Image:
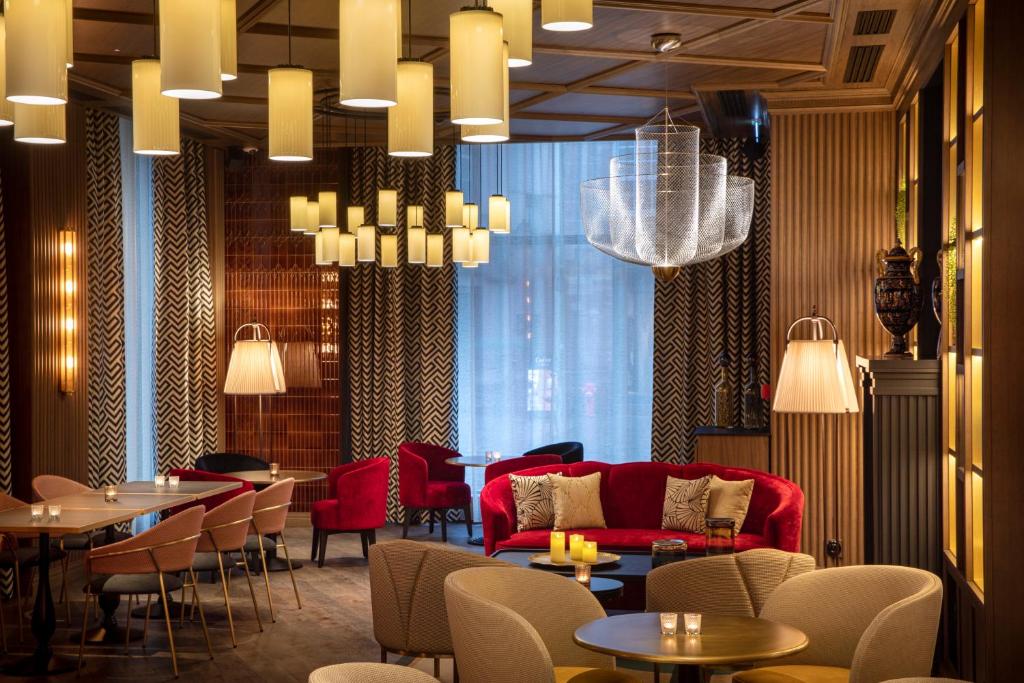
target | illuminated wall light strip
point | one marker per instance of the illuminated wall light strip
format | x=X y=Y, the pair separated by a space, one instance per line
x=67 y=241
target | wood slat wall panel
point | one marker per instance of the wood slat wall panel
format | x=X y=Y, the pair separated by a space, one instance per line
x=833 y=199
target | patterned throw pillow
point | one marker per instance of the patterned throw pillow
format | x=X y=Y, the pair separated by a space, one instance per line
x=578 y=502
x=686 y=504
x=535 y=508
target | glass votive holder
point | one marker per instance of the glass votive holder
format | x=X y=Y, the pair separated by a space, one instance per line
x=668 y=621
x=173 y=481
x=275 y=469
x=37 y=512
x=495 y=456
x=110 y=494
x=159 y=481
x=691 y=623
x=54 y=511
x=667 y=550
x=583 y=573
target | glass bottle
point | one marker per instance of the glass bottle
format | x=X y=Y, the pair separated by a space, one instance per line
x=752 y=401
x=723 y=397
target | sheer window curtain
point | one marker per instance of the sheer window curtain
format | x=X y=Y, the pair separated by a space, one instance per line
x=555 y=338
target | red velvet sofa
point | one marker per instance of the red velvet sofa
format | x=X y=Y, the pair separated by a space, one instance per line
x=632 y=495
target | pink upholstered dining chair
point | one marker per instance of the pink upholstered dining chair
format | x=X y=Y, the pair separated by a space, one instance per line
x=15 y=558
x=269 y=516
x=146 y=564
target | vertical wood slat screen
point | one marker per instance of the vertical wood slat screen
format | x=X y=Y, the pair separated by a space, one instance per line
x=833 y=201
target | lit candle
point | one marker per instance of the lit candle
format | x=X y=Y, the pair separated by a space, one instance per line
x=590 y=551
x=576 y=547
x=54 y=511
x=275 y=469
x=691 y=623
x=37 y=513
x=159 y=481
x=583 y=573
x=558 y=546
x=173 y=481
x=110 y=494
x=668 y=620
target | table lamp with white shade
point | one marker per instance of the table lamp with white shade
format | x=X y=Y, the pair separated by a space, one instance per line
x=255 y=368
x=815 y=378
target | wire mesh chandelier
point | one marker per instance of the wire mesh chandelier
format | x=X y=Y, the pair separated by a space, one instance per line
x=666 y=205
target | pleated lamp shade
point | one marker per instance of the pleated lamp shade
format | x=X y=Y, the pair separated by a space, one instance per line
x=461 y=251
x=6 y=108
x=411 y=121
x=69 y=52
x=301 y=365
x=567 y=15
x=298 y=215
x=356 y=216
x=39 y=124
x=435 y=251
x=389 y=251
x=228 y=40
x=366 y=244
x=36 y=51
x=498 y=209
x=369 y=36
x=453 y=203
x=190 y=33
x=254 y=369
x=328 y=202
x=517 y=16
x=346 y=249
x=154 y=115
x=330 y=240
x=416 y=244
x=290 y=113
x=815 y=378
x=475 y=45
x=387 y=207
x=495 y=132
x=480 y=245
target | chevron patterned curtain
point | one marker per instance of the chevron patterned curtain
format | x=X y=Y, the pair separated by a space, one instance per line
x=721 y=305
x=185 y=417
x=6 y=464
x=105 y=301
x=402 y=324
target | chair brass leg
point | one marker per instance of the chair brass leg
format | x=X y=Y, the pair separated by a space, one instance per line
x=202 y=615
x=181 y=615
x=227 y=600
x=3 y=626
x=18 y=599
x=145 y=621
x=266 y=577
x=252 y=592
x=128 y=626
x=64 y=597
x=85 y=627
x=288 y=559
x=167 y=621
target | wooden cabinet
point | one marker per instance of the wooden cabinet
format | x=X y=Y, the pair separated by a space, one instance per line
x=733 y=447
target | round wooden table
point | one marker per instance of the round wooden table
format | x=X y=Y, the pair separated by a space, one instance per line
x=471 y=461
x=724 y=640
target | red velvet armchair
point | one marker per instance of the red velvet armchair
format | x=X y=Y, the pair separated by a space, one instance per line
x=427 y=482
x=212 y=501
x=523 y=462
x=357 y=500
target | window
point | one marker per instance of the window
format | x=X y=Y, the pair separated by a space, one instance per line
x=555 y=338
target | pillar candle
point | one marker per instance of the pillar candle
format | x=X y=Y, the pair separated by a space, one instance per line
x=558 y=546
x=590 y=551
x=576 y=547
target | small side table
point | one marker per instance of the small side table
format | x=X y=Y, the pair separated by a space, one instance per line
x=471 y=461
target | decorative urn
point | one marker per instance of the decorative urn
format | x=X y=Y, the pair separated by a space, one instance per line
x=898 y=294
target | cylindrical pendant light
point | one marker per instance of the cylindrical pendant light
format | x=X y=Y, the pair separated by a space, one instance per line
x=413 y=215
x=330 y=238
x=69 y=32
x=37 y=70
x=480 y=245
x=476 y=66
x=319 y=253
x=389 y=251
x=312 y=218
x=387 y=207
x=470 y=264
x=346 y=249
x=298 y=215
x=435 y=251
x=6 y=108
x=453 y=208
x=496 y=132
x=291 y=113
x=356 y=217
x=369 y=34
x=190 y=49
x=411 y=121
x=517 y=18
x=367 y=243
x=154 y=115
x=39 y=124
x=567 y=15
x=328 y=210
x=460 y=245
x=471 y=216
x=498 y=210
x=416 y=244
x=228 y=40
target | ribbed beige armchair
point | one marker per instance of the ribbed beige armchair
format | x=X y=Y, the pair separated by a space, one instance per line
x=511 y=625
x=736 y=585
x=368 y=673
x=407 y=596
x=866 y=624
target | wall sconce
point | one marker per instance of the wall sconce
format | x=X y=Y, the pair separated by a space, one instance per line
x=68 y=254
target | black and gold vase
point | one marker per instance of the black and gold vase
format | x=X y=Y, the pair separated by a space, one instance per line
x=898 y=295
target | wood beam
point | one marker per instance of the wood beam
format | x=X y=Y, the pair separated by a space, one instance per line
x=759 y=13
x=745 y=25
x=622 y=128
x=252 y=16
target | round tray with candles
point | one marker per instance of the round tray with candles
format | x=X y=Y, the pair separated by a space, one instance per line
x=544 y=560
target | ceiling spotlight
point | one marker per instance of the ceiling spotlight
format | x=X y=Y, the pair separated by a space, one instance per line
x=666 y=42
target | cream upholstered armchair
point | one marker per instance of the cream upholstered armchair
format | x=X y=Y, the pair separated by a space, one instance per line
x=511 y=625
x=865 y=624
x=735 y=585
x=407 y=596
x=368 y=673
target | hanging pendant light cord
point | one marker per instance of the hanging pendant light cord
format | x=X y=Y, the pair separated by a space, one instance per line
x=289 y=32
x=408 y=41
x=156 y=28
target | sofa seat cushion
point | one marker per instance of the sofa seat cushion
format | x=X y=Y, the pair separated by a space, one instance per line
x=626 y=539
x=793 y=673
x=447 y=494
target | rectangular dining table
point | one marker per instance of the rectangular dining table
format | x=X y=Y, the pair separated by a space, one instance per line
x=82 y=513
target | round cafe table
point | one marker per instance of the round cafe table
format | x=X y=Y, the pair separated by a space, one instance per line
x=471 y=461
x=724 y=640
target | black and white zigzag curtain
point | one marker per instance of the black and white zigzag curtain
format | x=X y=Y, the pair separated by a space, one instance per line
x=6 y=464
x=721 y=305
x=402 y=321
x=104 y=251
x=185 y=415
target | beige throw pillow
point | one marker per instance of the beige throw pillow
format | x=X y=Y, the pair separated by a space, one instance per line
x=686 y=504
x=730 y=499
x=535 y=507
x=578 y=502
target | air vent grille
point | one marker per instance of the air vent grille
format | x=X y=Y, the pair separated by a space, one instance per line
x=860 y=68
x=877 y=22
x=734 y=103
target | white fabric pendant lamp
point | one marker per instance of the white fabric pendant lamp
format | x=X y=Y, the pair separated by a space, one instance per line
x=453 y=203
x=228 y=40
x=40 y=124
x=495 y=132
x=36 y=51
x=155 y=130
x=389 y=251
x=476 y=40
x=297 y=214
x=499 y=214
x=435 y=251
x=355 y=216
x=190 y=45
x=567 y=15
x=69 y=51
x=6 y=107
x=369 y=35
x=387 y=207
x=290 y=109
x=366 y=244
x=312 y=218
x=411 y=120
x=517 y=16
x=346 y=249
x=328 y=202
x=330 y=244
x=416 y=244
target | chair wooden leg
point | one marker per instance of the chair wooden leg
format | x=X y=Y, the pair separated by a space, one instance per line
x=430 y=518
x=85 y=627
x=405 y=522
x=323 y=548
x=316 y=544
x=373 y=536
x=468 y=512
x=128 y=626
x=252 y=592
x=365 y=541
x=288 y=559
x=455 y=671
x=437 y=667
x=444 y=526
x=65 y=598
x=383 y=656
x=202 y=615
x=227 y=600
x=17 y=600
x=266 y=577
x=167 y=622
x=3 y=626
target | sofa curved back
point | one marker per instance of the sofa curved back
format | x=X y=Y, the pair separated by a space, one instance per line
x=515 y=465
x=221 y=463
x=633 y=495
x=212 y=501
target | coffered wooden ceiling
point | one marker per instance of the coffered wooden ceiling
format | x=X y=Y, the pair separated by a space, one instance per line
x=586 y=85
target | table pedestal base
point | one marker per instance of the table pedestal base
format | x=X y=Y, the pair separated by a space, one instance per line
x=476 y=540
